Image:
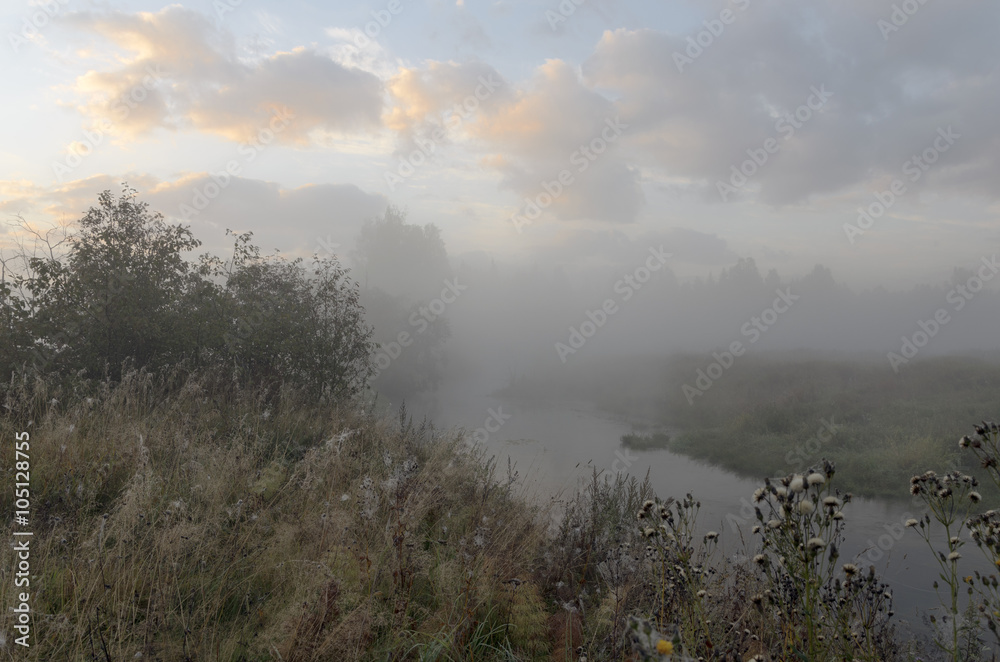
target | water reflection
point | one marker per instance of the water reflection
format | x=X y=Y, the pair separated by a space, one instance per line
x=556 y=445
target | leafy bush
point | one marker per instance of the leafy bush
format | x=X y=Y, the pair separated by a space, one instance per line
x=123 y=294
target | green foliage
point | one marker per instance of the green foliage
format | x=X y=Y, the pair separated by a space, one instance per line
x=400 y=258
x=124 y=295
x=290 y=322
x=772 y=414
x=419 y=364
x=951 y=500
x=404 y=267
x=645 y=442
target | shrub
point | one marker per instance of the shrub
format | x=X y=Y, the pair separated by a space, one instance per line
x=123 y=295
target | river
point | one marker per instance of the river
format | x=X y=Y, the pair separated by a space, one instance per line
x=556 y=445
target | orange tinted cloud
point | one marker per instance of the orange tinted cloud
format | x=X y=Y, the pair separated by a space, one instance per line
x=174 y=70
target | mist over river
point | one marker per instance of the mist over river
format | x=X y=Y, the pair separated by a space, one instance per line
x=555 y=445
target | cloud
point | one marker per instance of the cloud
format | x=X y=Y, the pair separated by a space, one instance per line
x=173 y=69
x=556 y=124
x=316 y=218
x=695 y=247
x=307 y=217
x=889 y=96
x=612 y=246
x=443 y=96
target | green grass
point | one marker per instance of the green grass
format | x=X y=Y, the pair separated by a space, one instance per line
x=772 y=417
x=188 y=522
x=645 y=441
x=196 y=524
x=762 y=416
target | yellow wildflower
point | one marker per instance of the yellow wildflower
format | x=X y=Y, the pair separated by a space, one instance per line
x=664 y=647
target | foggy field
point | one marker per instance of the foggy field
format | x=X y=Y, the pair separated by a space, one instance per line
x=257 y=456
x=507 y=331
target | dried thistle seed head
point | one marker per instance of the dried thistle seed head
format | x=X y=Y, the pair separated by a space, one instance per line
x=816 y=544
x=815 y=479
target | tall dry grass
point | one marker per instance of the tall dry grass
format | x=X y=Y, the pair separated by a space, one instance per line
x=181 y=518
x=187 y=523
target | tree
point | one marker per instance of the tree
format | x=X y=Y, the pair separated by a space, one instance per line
x=123 y=285
x=400 y=258
x=287 y=322
x=404 y=266
x=417 y=363
x=124 y=294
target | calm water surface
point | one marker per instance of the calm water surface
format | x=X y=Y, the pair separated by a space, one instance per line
x=555 y=446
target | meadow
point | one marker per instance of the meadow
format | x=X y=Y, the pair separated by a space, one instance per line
x=772 y=414
x=186 y=518
x=212 y=477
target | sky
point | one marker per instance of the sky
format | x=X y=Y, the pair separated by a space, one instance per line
x=857 y=134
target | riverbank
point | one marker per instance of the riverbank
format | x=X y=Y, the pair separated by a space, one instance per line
x=770 y=415
x=187 y=522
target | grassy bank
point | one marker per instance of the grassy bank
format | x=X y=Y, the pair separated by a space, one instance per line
x=186 y=520
x=769 y=415
x=201 y=526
